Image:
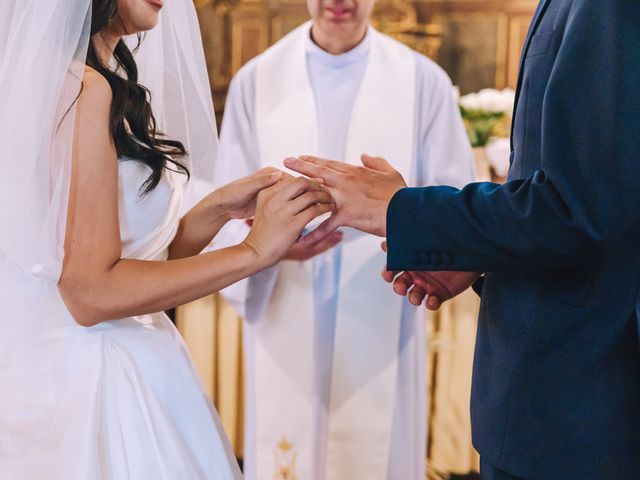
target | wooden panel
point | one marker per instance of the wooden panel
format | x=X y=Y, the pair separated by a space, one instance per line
x=249 y=37
x=478 y=42
x=517 y=35
x=482 y=39
x=470 y=47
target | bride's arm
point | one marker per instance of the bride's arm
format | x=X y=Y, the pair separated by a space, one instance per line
x=97 y=284
x=236 y=200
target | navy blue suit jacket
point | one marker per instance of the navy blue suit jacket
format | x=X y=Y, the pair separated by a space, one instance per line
x=556 y=382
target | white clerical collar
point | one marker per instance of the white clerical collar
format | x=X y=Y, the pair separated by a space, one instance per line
x=357 y=53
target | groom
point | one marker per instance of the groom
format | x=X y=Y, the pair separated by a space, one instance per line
x=556 y=387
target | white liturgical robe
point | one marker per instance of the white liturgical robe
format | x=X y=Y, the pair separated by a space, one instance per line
x=335 y=361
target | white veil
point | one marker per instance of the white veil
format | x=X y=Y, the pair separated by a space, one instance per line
x=172 y=66
x=42 y=49
x=43 y=46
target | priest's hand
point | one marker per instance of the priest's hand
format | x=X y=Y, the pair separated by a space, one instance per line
x=304 y=249
x=362 y=194
x=436 y=287
x=237 y=200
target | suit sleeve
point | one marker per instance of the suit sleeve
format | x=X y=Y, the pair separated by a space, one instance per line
x=586 y=195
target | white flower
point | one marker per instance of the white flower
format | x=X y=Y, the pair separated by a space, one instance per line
x=490 y=100
x=508 y=99
x=471 y=102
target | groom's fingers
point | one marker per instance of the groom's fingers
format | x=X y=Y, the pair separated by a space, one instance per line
x=433 y=303
x=387 y=275
x=293 y=187
x=376 y=163
x=329 y=176
x=332 y=164
x=402 y=284
x=416 y=296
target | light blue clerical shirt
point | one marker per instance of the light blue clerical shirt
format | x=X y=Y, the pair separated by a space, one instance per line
x=335 y=81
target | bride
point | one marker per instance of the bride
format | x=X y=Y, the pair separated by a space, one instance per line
x=93 y=383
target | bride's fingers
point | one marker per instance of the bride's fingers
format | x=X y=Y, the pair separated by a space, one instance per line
x=293 y=187
x=330 y=225
x=307 y=199
x=315 y=210
x=265 y=178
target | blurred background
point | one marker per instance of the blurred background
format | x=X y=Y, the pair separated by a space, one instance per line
x=478 y=43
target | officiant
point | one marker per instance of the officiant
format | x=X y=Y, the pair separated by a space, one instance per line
x=334 y=360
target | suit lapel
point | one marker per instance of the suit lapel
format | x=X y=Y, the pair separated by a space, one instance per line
x=535 y=23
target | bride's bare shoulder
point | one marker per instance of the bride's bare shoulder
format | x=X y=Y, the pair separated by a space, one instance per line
x=92 y=119
x=96 y=91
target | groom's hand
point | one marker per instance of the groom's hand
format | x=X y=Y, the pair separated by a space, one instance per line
x=436 y=287
x=362 y=194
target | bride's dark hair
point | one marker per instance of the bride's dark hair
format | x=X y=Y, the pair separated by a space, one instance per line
x=133 y=126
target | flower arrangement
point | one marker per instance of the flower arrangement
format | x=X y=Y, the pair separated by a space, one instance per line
x=487 y=114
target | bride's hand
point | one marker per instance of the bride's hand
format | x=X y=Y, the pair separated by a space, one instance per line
x=237 y=200
x=281 y=214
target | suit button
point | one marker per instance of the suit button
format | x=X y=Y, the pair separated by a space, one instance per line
x=446 y=259
x=425 y=259
x=435 y=259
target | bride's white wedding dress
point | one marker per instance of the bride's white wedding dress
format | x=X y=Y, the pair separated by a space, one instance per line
x=120 y=400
